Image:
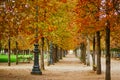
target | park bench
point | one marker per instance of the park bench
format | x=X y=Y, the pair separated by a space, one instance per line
x=25 y=59
x=118 y=56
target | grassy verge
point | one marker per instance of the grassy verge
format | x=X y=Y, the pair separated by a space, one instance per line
x=4 y=58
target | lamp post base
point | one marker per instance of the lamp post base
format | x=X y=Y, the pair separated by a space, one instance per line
x=36 y=71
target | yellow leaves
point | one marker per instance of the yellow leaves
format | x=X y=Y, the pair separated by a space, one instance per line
x=51 y=28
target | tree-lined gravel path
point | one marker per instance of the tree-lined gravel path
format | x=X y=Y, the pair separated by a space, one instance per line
x=69 y=68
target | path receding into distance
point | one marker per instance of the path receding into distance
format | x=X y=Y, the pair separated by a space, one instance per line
x=69 y=68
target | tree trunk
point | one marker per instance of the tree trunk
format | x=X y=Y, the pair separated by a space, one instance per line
x=98 y=53
x=83 y=53
x=108 y=61
x=61 y=53
x=0 y=46
x=93 y=55
x=88 y=53
x=42 y=54
x=16 y=52
x=56 y=53
x=9 y=61
x=75 y=52
x=48 y=54
x=51 y=53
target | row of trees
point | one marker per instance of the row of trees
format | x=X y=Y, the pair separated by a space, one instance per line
x=18 y=21
x=18 y=27
x=97 y=19
x=66 y=23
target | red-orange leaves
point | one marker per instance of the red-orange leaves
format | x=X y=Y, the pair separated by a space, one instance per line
x=64 y=1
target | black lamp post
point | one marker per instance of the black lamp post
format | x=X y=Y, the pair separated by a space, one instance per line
x=36 y=67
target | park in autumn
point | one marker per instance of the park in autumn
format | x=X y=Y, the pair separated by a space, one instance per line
x=59 y=39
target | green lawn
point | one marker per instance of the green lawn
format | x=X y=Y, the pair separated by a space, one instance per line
x=4 y=58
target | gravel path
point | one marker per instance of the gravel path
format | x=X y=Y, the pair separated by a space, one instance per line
x=69 y=68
